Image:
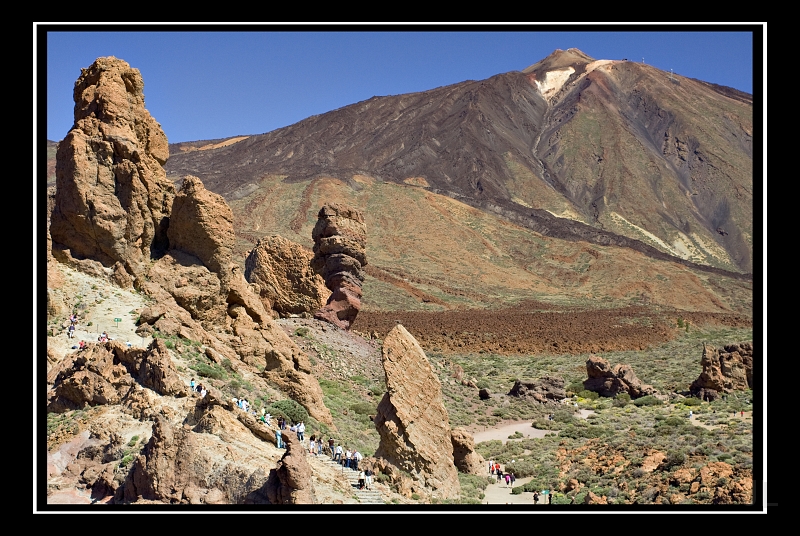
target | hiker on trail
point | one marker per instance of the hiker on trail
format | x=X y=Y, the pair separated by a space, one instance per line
x=491 y=467
x=348 y=456
x=535 y=497
x=368 y=476
x=203 y=392
x=508 y=479
x=357 y=457
x=338 y=455
x=81 y=345
x=278 y=439
x=690 y=414
x=71 y=331
x=499 y=474
x=312 y=445
x=513 y=478
x=301 y=429
x=192 y=384
x=362 y=479
x=330 y=446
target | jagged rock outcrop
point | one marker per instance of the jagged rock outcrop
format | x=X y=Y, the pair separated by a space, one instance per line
x=725 y=369
x=464 y=455
x=411 y=418
x=179 y=465
x=112 y=194
x=545 y=389
x=107 y=373
x=609 y=381
x=340 y=242
x=201 y=224
x=290 y=482
x=286 y=282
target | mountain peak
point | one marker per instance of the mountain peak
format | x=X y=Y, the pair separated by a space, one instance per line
x=560 y=59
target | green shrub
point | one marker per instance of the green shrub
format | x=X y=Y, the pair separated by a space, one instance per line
x=588 y=395
x=648 y=400
x=674 y=458
x=622 y=400
x=133 y=441
x=692 y=401
x=674 y=421
x=288 y=409
x=482 y=383
x=209 y=371
x=415 y=496
x=575 y=387
x=363 y=408
x=302 y=331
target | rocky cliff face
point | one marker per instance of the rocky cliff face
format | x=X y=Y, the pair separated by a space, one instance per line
x=340 y=240
x=286 y=282
x=411 y=418
x=113 y=198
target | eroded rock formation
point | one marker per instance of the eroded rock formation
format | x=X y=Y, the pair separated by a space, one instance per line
x=286 y=282
x=340 y=241
x=411 y=418
x=179 y=465
x=725 y=369
x=290 y=482
x=108 y=373
x=609 y=381
x=464 y=455
x=112 y=195
x=545 y=389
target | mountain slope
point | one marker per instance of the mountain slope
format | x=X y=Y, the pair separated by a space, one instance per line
x=620 y=152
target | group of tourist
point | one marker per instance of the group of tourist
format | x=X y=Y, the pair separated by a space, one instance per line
x=198 y=388
x=494 y=469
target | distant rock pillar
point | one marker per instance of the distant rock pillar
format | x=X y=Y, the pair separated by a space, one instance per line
x=340 y=241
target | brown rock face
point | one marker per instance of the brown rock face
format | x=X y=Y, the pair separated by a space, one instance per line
x=112 y=195
x=411 y=418
x=201 y=224
x=179 y=465
x=290 y=482
x=108 y=373
x=286 y=282
x=340 y=241
x=546 y=389
x=725 y=369
x=606 y=380
x=464 y=455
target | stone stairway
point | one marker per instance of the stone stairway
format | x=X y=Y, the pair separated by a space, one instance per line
x=365 y=496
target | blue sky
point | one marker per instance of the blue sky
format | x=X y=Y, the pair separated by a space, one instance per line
x=236 y=80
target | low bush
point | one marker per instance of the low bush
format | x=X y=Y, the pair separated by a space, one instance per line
x=648 y=400
x=288 y=409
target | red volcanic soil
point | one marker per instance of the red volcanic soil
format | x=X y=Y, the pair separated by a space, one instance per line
x=536 y=328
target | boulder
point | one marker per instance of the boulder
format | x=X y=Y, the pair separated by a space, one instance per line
x=286 y=282
x=725 y=369
x=609 y=381
x=290 y=482
x=411 y=418
x=340 y=241
x=464 y=455
x=545 y=389
x=112 y=198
